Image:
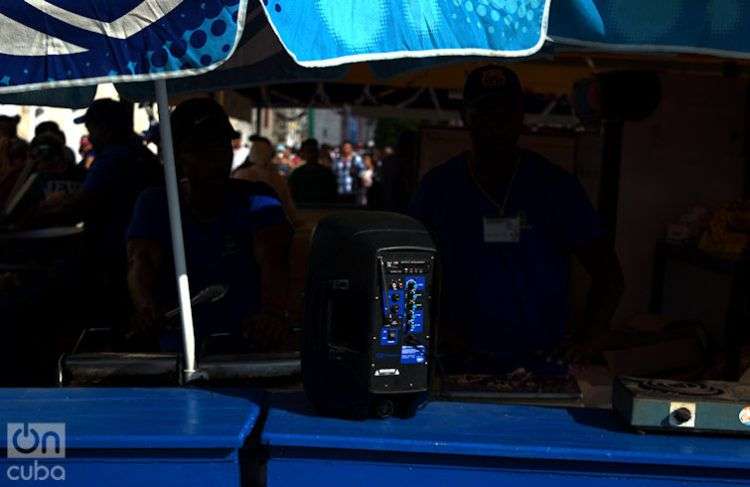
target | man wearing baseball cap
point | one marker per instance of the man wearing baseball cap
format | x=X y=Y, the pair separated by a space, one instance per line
x=236 y=235
x=124 y=167
x=507 y=222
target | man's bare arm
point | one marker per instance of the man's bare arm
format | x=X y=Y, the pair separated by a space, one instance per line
x=65 y=210
x=144 y=267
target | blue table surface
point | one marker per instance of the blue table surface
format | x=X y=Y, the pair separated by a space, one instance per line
x=500 y=431
x=136 y=418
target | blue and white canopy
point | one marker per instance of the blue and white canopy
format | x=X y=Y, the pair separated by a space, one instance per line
x=62 y=43
x=327 y=32
x=313 y=40
x=54 y=43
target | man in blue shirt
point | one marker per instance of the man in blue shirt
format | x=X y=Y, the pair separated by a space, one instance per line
x=507 y=222
x=348 y=168
x=236 y=235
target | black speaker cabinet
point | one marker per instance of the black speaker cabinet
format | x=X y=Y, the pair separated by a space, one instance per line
x=367 y=315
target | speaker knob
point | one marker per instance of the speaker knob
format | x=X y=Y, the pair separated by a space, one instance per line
x=682 y=415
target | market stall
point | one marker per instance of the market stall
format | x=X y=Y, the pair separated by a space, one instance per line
x=190 y=436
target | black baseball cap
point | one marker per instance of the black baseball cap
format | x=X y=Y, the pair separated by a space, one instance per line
x=491 y=81
x=201 y=119
x=107 y=111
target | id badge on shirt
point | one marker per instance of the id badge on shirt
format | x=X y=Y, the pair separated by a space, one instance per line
x=502 y=230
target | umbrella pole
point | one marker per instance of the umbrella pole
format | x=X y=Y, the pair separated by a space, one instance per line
x=175 y=223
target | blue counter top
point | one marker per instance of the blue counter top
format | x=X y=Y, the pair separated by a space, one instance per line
x=110 y=419
x=497 y=431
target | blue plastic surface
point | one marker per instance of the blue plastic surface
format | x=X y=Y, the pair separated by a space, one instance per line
x=499 y=432
x=413 y=472
x=136 y=418
x=125 y=437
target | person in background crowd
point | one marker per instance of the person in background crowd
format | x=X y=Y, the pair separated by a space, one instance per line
x=86 y=151
x=46 y=174
x=123 y=168
x=366 y=179
x=241 y=151
x=13 y=153
x=294 y=159
x=53 y=129
x=312 y=183
x=348 y=168
x=260 y=168
x=399 y=174
x=9 y=126
x=236 y=235
x=507 y=221
x=281 y=160
x=13 y=160
x=49 y=175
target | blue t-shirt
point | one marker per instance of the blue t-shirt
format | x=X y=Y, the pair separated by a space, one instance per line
x=118 y=175
x=218 y=252
x=512 y=298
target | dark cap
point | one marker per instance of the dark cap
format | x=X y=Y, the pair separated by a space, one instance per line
x=117 y=114
x=491 y=80
x=201 y=119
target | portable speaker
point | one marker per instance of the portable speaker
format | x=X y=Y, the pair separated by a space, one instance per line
x=367 y=315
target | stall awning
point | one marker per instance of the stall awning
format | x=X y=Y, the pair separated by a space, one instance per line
x=62 y=43
x=316 y=40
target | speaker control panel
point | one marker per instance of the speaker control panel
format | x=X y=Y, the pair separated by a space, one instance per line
x=406 y=281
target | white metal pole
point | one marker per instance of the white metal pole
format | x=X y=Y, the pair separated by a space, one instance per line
x=175 y=224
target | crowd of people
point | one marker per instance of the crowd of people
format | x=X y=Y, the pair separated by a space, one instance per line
x=506 y=222
x=239 y=209
x=236 y=232
x=316 y=175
